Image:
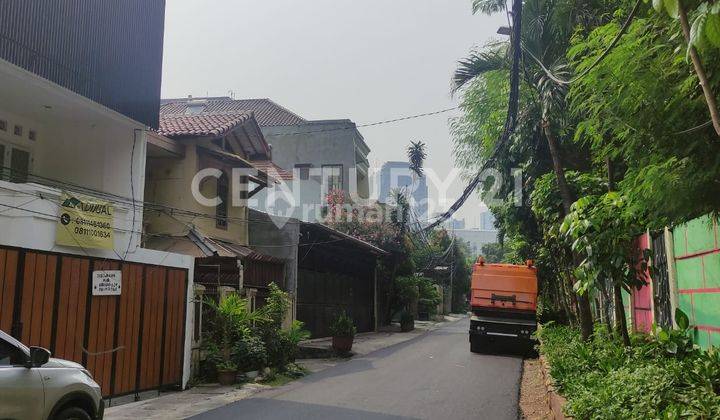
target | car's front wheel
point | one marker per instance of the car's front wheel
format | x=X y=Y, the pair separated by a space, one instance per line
x=73 y=413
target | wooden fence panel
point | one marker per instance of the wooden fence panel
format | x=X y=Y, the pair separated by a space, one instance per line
x=8 y=274
x=130 y=343
x=126 y=360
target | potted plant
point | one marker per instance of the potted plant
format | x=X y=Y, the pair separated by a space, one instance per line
x=231 y=322
x=407 y=321
x=227 y=372
x=343 y=333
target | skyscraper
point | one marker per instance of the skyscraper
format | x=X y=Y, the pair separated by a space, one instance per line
x=397 y=175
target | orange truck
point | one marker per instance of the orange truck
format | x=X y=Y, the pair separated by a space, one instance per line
x=503 y=299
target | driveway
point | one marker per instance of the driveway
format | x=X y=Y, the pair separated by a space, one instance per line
x=433 y=376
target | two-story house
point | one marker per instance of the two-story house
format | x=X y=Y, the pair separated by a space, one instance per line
x=79 y=98
x=322 y=155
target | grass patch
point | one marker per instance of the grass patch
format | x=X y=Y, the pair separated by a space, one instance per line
x=280 y=377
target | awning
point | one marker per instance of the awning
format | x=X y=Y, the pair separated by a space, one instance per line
x=318 y=233
x=198 y=245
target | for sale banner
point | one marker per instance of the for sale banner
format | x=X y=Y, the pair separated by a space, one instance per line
x=85 y=222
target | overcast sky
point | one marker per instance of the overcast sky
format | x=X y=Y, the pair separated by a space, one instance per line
x=366 y=60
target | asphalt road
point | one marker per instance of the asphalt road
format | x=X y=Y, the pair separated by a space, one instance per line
x=431 y=377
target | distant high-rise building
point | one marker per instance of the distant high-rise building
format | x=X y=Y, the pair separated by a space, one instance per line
x=456 y=223
x=396 y=175
x=487 y=221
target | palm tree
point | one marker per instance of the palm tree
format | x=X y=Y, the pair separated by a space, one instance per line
x=546 y=29
x=416 y=156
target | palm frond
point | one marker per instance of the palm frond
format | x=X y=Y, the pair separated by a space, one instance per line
x=477 y=63
x=488 y=7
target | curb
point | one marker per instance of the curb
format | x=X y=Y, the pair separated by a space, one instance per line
x=556 y=402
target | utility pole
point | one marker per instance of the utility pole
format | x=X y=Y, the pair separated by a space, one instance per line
x=452 y=264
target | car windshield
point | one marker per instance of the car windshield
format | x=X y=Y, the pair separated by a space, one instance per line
x=7 y=337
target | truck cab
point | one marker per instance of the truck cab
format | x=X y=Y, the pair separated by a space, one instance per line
x=503 y=300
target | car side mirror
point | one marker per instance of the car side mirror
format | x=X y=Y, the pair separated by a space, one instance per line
x=38 y=356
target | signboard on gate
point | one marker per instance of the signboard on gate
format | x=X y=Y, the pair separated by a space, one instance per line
x=107 y=283
x=84 y=222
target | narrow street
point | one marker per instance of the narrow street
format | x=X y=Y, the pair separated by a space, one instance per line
x=432 y=377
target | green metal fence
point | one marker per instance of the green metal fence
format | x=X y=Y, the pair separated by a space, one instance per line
x=697 y=270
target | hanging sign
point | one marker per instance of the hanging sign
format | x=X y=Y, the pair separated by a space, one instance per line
x=107 y=283
x=85 y=222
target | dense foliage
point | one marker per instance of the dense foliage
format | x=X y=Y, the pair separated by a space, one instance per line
x=604 y=380
x=238 y=339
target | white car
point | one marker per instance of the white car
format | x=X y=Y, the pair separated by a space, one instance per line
x=35 y=387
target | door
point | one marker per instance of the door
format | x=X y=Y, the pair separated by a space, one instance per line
x=642 y=298
x=21 y=389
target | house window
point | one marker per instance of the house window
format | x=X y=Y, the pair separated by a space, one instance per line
x=18 y=130
x=14 y=164
x=32 y=135
x=303 y=170
x=221 y=210
x=3 y=125
x=332 y=178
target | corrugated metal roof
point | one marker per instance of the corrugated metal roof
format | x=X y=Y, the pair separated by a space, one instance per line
x=267 y=112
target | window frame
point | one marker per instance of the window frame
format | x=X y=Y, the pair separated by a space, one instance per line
x=303 y=167
x=325 y=177
x=222 y=209
x=7 y=160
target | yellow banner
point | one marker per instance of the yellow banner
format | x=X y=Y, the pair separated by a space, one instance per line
x=84 y=222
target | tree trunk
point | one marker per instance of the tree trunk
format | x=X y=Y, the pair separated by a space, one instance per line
x=620 y=320
x=700 y=71
x=620 y=315
x=585 y=313
x=606 y=301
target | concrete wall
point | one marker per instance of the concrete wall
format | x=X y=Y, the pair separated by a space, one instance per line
x=278 y=237
x=82 y=147
x=297 y=199
x=697 y=265
x=321 y=143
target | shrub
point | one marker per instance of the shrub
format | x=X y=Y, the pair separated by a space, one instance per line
x=343 y=326
x=231 y=321
x=653 y=378
x=428 y=296
x=280 y=345
x=250 y=353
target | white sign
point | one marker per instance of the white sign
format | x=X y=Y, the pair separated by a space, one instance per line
x=107 y=283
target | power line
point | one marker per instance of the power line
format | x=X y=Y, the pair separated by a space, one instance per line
x=171 y=236
x=597 y=61
x=354 y=126
x=510 y=119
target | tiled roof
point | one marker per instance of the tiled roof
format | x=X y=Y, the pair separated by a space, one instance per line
x=267 y=112
x=201 y=124
x=272 y=170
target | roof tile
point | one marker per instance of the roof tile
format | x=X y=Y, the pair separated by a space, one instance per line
x=267 y=112
x=201 y=124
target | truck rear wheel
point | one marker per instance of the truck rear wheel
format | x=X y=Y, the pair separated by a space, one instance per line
x=476 y=344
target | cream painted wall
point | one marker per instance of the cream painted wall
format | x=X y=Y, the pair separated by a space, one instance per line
x=169 y=184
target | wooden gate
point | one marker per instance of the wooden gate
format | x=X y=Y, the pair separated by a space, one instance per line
x=130 y=343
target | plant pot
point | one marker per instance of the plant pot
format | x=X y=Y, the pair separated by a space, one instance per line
x=342 y=344
x=406 y=326
x=227 y=377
